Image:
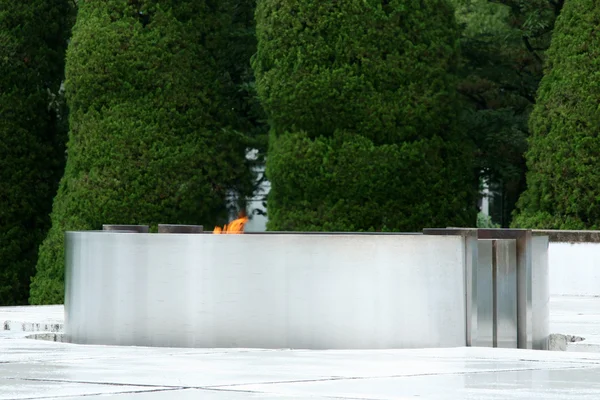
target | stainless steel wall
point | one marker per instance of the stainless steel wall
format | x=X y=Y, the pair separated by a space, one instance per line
x=540 y=283
x=485 y=295
x=510 y=298
x=266 y=291
x=497 y=293
x=504 y=271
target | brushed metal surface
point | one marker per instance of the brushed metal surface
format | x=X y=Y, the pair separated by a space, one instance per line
x=524 y=291
x=527 y=254
x=524 y=251
x=265 y=291
x=471 y=284
x=505 y=293
x=471 y=277
x=485 y=295
x=540 y=278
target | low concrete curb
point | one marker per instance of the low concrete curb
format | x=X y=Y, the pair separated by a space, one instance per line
x=31 y=326
x=560 y=342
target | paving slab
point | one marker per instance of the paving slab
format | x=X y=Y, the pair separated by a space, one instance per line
x=578 y=317
x=43 y=389
x=522 y=385
x=39 y=369
x=194 y=394
x=36 y=369
x=32 y=318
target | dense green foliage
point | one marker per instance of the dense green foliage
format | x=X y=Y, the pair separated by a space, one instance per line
x=503 y=44
x=233 y=53
x=347 y=183
x=31 y=133
x=237 y=44
x=361 y=99
x=146 y=144
x=563 y=181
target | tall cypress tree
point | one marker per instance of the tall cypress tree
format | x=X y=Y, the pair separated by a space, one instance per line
x=33 y=40
x=563 y=159
x=146 y=144
x=361 y=99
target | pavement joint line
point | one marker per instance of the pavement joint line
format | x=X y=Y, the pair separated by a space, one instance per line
x=328 y=379
x=120 y=357
x=97 y=394
x=588 y=361
x=271 y=394
x=168 y=388
x=158 y=387
x=356 y=378
x=580 y=360
x=231 y=387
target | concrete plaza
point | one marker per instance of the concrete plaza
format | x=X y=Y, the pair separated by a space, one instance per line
x=43 y=369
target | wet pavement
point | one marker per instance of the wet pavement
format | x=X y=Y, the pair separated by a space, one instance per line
x=578 y=317
x=38 y=369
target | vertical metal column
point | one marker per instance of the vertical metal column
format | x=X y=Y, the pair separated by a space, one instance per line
x=532 y=285
x=524 y=315
x=520 y=279
x=485 y=294
x=504 y=271
x=471 y=264
x=524 y=289
x=540 y=278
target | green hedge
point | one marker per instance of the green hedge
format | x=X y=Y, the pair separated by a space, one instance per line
x=347 y=183
x=353 y=83
x=563 y=160
x=146 y=144
x=33 y=40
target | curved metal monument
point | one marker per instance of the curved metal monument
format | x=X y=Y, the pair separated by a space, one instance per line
x=447 y=288
x=309 y=291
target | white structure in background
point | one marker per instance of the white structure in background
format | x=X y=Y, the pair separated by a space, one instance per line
x=575 y=269
x=256 y=206
x=485 y=199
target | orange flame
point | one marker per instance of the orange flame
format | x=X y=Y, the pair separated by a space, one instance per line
x=234 y=227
